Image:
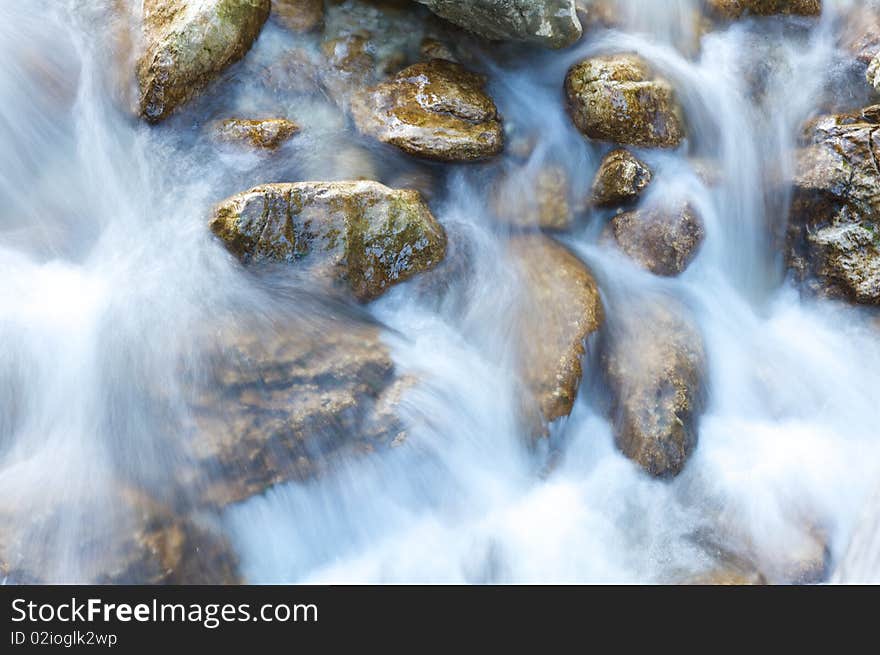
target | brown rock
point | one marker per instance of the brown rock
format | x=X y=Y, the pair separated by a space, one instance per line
x=661 y=241
x=525 y=199
x=361 y=233
x=299 y=15
x=834 y=224
x=654 y=363
x=267 y=133
x=731 y=9
x=436 y=110
x=189 y=44
x=621 y=178
x=282 y=402
x=561 y=307
x=618 y=98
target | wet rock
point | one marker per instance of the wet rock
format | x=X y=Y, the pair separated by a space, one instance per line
x=654 y=362
x=834 y=224
x=730 y=9
x=299 y=15
x=433 y=49
x=125 y=537
x=860 y=32
x=662 y=241
x=267 y=133
x=189 y=44
x=621 y=178
x=561 y=309
x=728 y=577
x=362 y=234
x=549 y=23
x=618 y=98
x=284 y=402
x=436 y=110
x=527 y=199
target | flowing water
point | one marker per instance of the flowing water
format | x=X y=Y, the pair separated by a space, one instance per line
x=108 y=270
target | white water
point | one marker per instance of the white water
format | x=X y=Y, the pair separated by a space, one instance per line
x=107 y=269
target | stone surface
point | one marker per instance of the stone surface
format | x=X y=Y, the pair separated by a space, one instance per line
x=736 y=8
x=526 y=199
x=621 y=178
x=662 y=241
x=188 y=44
x=618 y=98
x=834 y=225
x=560 y=309
x=283 y=402
x=437 y=110
x=654 y=363
x=299 y=15
x=124 y=537
x=362 y=234
x=549 y=23
x=267 y=134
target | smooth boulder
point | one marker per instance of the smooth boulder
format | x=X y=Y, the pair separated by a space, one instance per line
x=188 y=44
x=654 y=363
x=524 y=198
x=618 y=98
x=561 y=308
x=264 y=134
x=620 y=180
x=361 y=234
x=661 y=240
x=436 y=110
x=834 y=223
x=549 y=23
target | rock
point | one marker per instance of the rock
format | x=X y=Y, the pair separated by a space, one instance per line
x=433 y=49
x=617 y=98
x=560 y=309
x=361 y=233
x=188 y=44
x=872 y=75
x=834 y=224
x=267 y=133
x=620 y=180
x=282 y=402
x=125 y=537
x=435 y=109
x=549 y=23
x=860 y=33
x=662 y=241
x=654 y=362
x=732 y=576
x=731 y=9
x=299 y=15
x=525 y=199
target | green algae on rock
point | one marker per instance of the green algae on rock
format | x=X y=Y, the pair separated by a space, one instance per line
x=363 y=233
x=188 y=44
x=618 y=98
x=436 y=109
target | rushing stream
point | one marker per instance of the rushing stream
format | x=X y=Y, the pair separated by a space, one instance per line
x=109 y=273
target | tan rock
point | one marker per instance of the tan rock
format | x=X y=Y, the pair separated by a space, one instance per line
x=561 y=308
x=283 y=402
x=436 y=110
x=618 y=98
x=731 y=9
x=621 y=178
x=299 y=15
x=662 y=241
x=654 y=362
x=525 y=199
x=362 y=234
x=267 y=133
x=188 y=44
x=834 y=224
